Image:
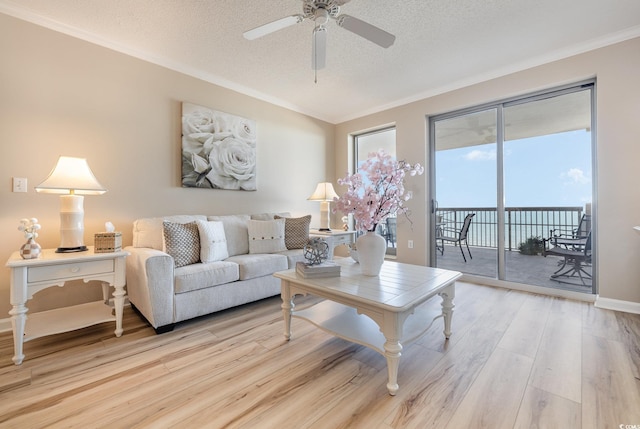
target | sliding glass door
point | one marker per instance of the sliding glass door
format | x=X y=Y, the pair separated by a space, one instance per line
x=523 y=169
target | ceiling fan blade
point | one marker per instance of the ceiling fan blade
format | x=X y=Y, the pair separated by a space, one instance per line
x=319 y=48
x=271 y=27
x=366 y=30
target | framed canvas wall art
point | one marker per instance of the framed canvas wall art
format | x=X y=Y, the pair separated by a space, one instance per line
x=218 y=149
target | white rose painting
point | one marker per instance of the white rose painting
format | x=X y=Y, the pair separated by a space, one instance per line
x=218 y=150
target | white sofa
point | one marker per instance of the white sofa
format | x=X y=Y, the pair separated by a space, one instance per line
x=166 y=292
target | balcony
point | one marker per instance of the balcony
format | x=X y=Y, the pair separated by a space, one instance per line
x=521 y=223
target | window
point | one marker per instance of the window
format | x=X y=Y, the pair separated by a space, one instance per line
x=365 y=144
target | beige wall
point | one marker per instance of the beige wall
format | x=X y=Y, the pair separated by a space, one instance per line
x=63 y=96
x=618 y=150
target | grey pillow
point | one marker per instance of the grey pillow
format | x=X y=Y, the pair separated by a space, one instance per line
x=182 y=242
x=296 y=231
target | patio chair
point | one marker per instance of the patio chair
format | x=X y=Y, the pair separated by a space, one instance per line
x=574 y=239
x=390 y=233
x=457 y=237
x=576 y=256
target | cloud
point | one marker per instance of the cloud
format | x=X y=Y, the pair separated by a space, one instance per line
x=575 y=175
x=481 y=155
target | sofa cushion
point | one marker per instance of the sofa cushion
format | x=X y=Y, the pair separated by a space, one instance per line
x=182 y=242
x=200 y=276
x=213 y=242
x=258 y=265
x=266 y=236
x=293 y=256
x=269 y=216
x=296 y=231
x=236 y=232
x=147 y=232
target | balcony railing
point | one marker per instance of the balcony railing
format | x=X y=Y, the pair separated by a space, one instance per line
x=521 y=223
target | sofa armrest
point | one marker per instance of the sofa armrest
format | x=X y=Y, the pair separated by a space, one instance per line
x=150 y=284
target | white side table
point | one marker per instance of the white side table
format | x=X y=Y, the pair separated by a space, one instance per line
x=29 y=276
x=334 y=238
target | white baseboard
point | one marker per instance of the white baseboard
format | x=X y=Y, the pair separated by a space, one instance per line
x=5 y=325
x=618 y=305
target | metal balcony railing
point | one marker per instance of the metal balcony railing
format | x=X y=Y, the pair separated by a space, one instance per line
x=521 y=223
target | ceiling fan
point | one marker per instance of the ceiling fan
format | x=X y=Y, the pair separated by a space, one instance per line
x=320 y=11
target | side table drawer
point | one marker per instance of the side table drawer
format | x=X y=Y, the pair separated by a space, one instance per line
x=342 y=239
x=70 y=270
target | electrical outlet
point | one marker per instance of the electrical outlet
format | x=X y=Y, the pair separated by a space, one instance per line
x=410 y=244
x=19 y=184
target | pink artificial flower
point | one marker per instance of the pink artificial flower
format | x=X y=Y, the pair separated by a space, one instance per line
x=382 y=196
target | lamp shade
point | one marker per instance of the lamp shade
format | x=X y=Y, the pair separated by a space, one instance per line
x=324 y=192
x=71 y=176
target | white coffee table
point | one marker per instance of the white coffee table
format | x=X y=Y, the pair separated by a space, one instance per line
x=382 y=313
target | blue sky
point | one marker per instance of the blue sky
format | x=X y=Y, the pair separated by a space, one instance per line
x=552 y=170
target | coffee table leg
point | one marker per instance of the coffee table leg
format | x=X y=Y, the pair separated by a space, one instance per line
x=287 y=308
x=447 y=307
x=392 y=351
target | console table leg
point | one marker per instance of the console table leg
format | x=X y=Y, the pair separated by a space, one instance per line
x=118 y=302
x=447 y=308
x=287 y=307
x=392 y=351
x=18 y=321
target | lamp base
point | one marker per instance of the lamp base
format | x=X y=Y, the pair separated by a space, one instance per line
x=71 y=249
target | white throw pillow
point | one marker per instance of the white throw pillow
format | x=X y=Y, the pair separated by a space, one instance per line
x=213 y=242
x=266 y=236
x=235 y=229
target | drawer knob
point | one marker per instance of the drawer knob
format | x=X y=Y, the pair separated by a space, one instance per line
x=75 y=270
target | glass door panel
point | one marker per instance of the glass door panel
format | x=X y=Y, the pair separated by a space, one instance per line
x=547 y=185
x=466 y=182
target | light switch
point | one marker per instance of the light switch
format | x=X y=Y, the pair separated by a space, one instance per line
x=19 y=184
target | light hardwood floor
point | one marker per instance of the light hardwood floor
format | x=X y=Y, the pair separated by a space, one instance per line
x=515 y=360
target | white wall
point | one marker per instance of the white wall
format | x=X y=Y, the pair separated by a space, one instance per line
x=618 y=151
x=64 y=96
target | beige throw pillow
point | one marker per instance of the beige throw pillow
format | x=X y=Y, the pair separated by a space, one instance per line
x=266 y=236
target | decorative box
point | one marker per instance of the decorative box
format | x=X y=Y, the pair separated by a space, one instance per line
x=107 y=242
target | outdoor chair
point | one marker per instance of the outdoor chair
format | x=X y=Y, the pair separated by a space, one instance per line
x=456 y=237
x=390 y=233
x=576 y=257
x=574 y=239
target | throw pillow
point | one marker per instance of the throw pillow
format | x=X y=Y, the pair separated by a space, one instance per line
x=182 y=242
x=266 y=236
x=296 y=231
x=235 y=229
x=213 y=242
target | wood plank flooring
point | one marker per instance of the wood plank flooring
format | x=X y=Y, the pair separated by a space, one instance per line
x=515 y=360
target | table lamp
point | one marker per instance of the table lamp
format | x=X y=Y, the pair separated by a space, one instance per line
x=325 y=194
x=71 y=178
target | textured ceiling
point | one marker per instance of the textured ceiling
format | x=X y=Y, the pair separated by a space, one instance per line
x=440 y=44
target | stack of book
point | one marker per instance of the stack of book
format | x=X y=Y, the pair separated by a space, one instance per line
x=325 y=269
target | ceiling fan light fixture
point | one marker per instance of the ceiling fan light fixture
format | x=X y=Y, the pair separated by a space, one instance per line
x=320 y=11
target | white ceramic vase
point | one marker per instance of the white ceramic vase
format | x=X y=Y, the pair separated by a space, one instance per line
x=371 y=251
